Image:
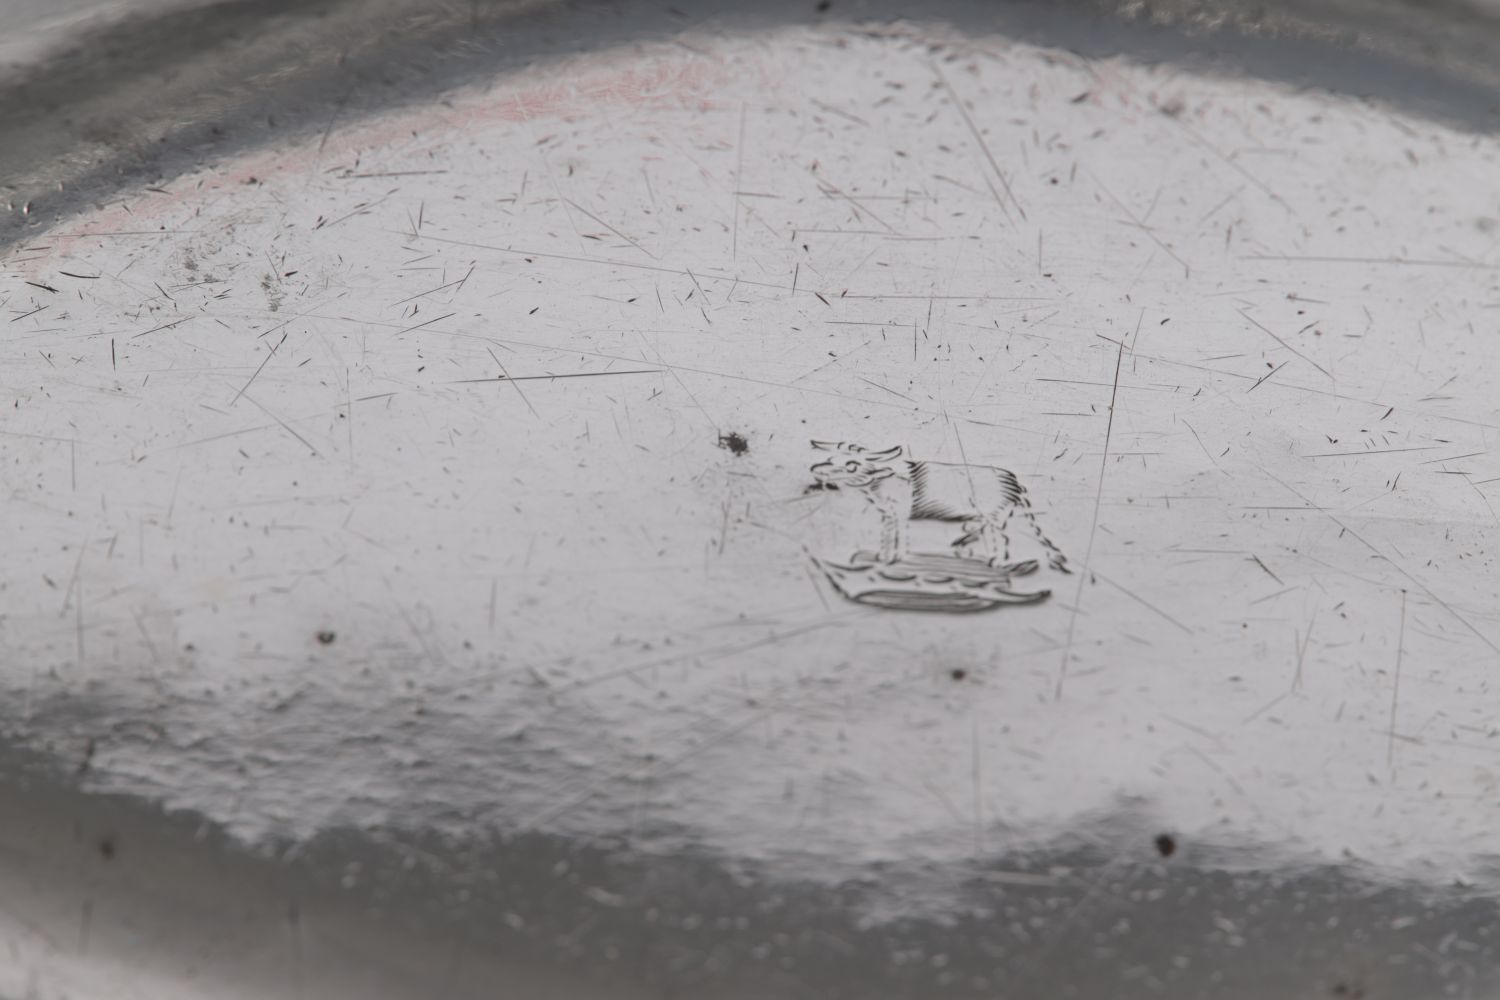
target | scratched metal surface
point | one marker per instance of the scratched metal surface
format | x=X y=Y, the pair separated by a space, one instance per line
x=662 y=501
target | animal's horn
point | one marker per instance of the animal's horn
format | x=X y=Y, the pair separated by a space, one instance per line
x=826 y=445
x=885 y=456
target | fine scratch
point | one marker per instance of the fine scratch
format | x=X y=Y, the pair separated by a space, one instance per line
x=1246 y=313
x=1469 y=626
x=1141 y=225
x=506 y=378
x=550 y=378
x=1390 y=747
x=263 y=364
x=1141 y=601
x=1302 y=651
x=612 y=229
x=739 y=166
x=984 y=146
x=285 y=426
x=1088 y=552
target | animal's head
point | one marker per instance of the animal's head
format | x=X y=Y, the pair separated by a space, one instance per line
x=853 y=466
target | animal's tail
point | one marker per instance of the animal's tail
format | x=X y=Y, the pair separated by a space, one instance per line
x=1055 y=557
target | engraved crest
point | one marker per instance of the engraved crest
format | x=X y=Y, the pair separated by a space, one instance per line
x=981 y=501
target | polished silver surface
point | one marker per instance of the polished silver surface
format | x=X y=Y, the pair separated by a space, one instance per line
x=491 y=696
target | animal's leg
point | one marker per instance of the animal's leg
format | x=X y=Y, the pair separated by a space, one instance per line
x=1004 y=536
x=974 y=533
x=985 y=538
x=991 y=545
x=892 y=540
x=999 y=546
x=1055 y=557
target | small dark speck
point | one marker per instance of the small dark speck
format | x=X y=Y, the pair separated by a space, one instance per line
x=823 y=6
x=1354 y=991
x=107 y=848
x=735 y=442
x=1166 y=845
x=326 y=637
x=958 y=673
x=88 y=757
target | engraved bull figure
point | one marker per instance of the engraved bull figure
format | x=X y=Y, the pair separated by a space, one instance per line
x=980 y=498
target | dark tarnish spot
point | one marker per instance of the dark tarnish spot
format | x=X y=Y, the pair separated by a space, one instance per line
x=107 y=848
x=958 y=673
x=735 y=442
x=1166 y=846
x=326 y=637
